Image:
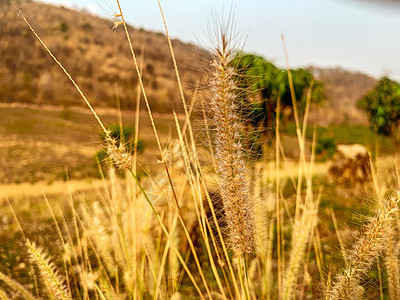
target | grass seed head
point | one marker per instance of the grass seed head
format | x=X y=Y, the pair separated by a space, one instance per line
x=232 y=169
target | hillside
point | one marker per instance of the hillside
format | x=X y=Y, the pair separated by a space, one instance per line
x=98 y=57
x=96 y=54
x=343 y=89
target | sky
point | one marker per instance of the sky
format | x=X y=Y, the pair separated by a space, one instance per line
x=359 y=35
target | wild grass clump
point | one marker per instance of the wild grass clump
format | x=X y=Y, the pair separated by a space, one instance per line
x=153 y=237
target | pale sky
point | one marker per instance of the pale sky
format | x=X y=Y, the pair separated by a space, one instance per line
x=357 y=35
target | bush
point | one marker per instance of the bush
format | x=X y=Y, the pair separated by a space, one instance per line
x=63 y=27
x=325 y=147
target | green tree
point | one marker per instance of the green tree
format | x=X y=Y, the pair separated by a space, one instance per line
x=255 y=79
x=382 y=105
x=261 y=83
x=302 y=80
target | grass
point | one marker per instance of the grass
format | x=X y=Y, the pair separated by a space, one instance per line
x=38 y=144
x=347 y=134
x=200 y=229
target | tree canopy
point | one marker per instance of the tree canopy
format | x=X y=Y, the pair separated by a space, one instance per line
x=261 y=83
x=382 y=105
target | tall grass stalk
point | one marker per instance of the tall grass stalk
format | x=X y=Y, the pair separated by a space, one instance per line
x=392 y=265
x=305 y=210
x=17 y=287
x=3 y=295
x=364 y=253
x=55 y=285
x=232 y=171
x=279 y=236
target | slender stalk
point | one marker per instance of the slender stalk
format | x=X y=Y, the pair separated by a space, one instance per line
x=277 y=193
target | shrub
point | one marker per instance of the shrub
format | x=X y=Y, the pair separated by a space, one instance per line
x=63 y=27
x=325 y=147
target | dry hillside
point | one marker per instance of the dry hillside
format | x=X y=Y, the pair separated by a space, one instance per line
x=343 y=89
x=96 y=54
x=98 y=57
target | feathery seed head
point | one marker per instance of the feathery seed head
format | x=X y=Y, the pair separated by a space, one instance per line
x=119 y=154
x=369 y=246
x=232 y=169
x=52 y=280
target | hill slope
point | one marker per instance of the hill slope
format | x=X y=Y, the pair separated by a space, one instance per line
x=343 y=89
x=98 y=57
x=96 y=54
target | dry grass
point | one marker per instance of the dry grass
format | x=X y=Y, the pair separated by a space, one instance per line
x=40 y=144
x=168 y=236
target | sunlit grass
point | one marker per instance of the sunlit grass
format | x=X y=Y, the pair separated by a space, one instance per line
x=348 y=134
x=197 y=228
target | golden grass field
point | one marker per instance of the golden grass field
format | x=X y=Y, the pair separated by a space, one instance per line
x=75 y=151
x=192 y=217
